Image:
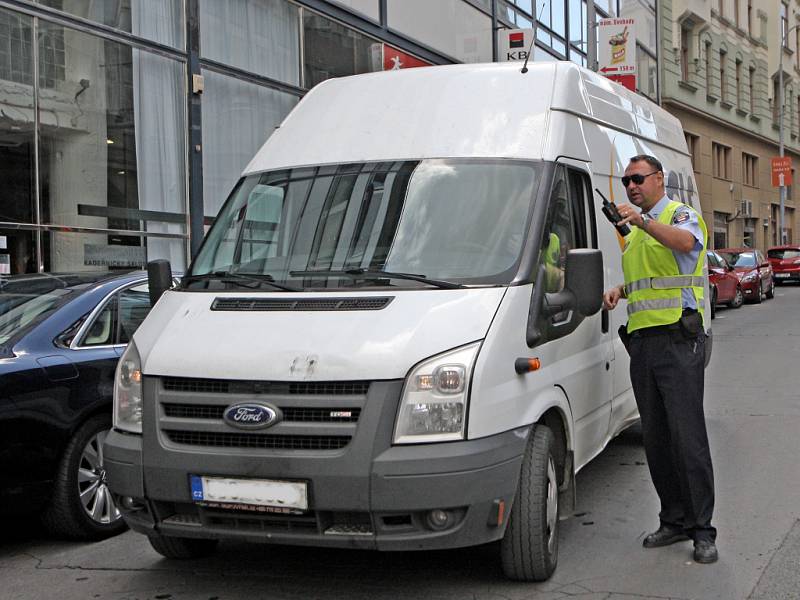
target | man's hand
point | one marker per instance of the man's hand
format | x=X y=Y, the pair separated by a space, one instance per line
x=630 y=214
x=673 y=238
x=611 y=297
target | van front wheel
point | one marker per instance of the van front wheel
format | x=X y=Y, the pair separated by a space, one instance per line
x=181 y=548
x=529 y=549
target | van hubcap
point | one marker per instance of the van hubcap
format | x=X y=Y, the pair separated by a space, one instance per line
x=552 y=506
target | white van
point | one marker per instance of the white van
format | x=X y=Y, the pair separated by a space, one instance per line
x=391 y=337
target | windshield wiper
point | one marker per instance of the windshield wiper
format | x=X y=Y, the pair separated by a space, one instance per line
x=242 y=280
x=361 y=273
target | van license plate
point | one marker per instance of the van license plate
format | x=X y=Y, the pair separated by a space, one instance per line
x=250 y=492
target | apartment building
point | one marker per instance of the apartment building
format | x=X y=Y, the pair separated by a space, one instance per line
x=720 y=77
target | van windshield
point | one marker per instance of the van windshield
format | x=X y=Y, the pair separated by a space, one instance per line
x=446 y=223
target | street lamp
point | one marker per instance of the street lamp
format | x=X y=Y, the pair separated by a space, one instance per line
x=784 y=39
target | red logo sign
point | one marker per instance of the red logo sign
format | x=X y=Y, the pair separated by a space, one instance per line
x=516 y=40
x=394 y=59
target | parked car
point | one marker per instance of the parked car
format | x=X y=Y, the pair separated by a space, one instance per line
x=753 y=270
x=785 y=261
x=723 y=283
x=61 y=336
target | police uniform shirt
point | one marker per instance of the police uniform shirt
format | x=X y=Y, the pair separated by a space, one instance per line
x=684 y=218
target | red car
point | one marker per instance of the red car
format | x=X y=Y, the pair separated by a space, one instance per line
x=753 y=270
x=785 y=261
x=723 y=283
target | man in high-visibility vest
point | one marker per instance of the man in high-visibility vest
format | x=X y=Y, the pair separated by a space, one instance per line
x=663 y=263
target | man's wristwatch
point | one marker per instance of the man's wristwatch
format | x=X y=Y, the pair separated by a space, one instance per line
x=645 y=221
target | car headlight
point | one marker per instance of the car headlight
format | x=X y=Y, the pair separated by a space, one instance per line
x=749 y=277
x=797 y=262
x=433 y=407
x=128 y=391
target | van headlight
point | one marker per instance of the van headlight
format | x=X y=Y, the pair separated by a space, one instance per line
x=433 y=407
x=128 y=391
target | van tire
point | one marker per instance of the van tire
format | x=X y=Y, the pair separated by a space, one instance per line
x=65 y=514
x=529 y=548
x=182 y=548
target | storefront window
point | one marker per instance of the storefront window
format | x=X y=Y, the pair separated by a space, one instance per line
x=238 y=117
x=16 y=119
x=333 y=50
x=368 y=8
x=260 y=36
x=450 y=26
x=111 y=149
x=157 y=20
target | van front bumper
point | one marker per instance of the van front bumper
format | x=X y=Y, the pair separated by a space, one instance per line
x=398 y=503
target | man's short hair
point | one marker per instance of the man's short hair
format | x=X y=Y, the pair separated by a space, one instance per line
x=650 y=160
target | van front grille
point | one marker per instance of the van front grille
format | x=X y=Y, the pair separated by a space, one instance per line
x=257 y=441
x=290 y=388
x=290 y=413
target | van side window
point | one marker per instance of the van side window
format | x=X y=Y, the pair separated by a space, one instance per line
x=585 y=229
x=559 y=233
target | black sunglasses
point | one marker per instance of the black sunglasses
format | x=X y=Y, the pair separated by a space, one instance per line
x=636 y=178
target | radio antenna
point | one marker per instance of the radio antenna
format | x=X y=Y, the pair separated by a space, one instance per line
x=533 y=41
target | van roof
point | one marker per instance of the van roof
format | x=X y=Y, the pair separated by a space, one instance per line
x=456 y=111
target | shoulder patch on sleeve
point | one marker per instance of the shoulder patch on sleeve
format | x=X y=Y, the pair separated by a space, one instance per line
x=681 y=216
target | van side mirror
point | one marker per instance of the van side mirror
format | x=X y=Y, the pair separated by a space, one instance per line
x=582 y=294
x=159 y=278
x=583 y=284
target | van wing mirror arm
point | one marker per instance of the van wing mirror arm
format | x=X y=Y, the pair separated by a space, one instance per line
x=533 y=332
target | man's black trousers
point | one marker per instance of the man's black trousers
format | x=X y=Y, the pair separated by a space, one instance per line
x=667 y=377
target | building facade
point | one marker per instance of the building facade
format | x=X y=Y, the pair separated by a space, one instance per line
x=124 y=124
x=720 y=74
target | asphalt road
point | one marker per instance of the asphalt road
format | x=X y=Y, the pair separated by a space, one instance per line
x=753 y=414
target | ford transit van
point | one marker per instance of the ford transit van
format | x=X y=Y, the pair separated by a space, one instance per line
x=392 y=335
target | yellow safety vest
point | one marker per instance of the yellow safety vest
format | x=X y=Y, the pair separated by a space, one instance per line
x=653 y=282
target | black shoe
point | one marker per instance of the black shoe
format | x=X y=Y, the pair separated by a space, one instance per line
x=705 y=551
x=664 y=536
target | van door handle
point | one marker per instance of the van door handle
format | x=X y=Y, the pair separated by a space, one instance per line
x=604 y=321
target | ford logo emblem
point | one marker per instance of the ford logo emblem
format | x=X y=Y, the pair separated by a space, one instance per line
x=251 y=415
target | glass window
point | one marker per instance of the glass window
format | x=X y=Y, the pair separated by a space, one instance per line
x=134 y=304
x=370 y=8
x=238 y=117
x=450 y=26
x=112 y=151
x=157 y=20
x=333 y=50
x=260 y=36
x=405 y=217
x=646 y=77
x=16 y=119
x=102 y=330
x=785 y=254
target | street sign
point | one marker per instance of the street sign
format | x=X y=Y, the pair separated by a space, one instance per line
x=616 y=40
x=781 y=168
x=514 y=44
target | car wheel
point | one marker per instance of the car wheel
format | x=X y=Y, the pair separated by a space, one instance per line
x=738 y=298
x=529 y=548
x=82 y=507
x=771 y=289
x=182 y=548
x=713 y=302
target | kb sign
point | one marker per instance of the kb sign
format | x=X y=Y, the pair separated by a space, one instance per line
x=515 y=44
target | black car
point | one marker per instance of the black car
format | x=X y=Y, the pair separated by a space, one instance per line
x=61 y=336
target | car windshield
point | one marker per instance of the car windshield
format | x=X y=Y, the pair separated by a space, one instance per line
x=740 y=259
x=407 y=224
x=783 y=254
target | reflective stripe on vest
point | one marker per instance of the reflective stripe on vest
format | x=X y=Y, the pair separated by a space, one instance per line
x=664 y=283
x=653 y=281
x=634 y=307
